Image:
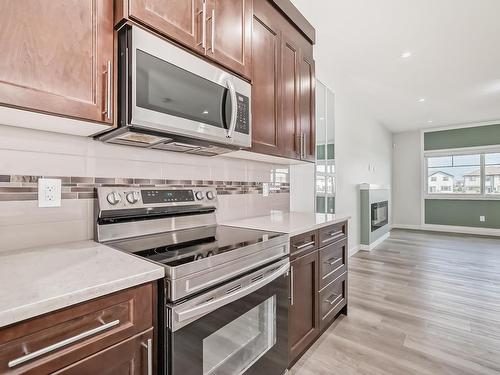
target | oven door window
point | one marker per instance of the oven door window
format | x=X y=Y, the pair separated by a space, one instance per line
x=236 y=346
x=248 y=335
x=167 y=88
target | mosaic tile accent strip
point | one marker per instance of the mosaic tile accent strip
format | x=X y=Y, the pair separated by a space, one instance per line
x=25 y=188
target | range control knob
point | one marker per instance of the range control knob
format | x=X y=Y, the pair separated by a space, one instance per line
x=114 y=198
x=133 y=197
x=210 y=195
x=198 y=195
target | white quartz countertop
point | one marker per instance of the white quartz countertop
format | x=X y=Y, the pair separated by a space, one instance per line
x=293 y=223
x=40 y=280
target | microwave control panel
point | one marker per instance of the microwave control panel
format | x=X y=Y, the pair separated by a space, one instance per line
x=243 y=117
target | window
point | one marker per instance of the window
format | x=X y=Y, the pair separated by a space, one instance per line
x=473 y=174
x=454 y=174
x=492 y=173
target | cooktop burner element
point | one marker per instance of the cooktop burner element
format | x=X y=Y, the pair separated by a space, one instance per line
x=177 y=228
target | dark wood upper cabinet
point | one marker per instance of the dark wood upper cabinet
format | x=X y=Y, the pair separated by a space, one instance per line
x=229 y=36
x=303 y=317
x=307 y=108
x=266 y=89
x=217 y=29
x=180 y=20
x=283 y=90
x=57 y=57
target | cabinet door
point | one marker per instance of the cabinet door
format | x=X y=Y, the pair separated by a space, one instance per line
x=307 y=107
x=266 y=112
x=303 y=318
x=180 y=20
x=229 y=35
x=290 y=86
x=130 y=356
x=55 y=56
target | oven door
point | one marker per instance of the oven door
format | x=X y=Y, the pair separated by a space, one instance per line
x=241 y=327
x=173 y=91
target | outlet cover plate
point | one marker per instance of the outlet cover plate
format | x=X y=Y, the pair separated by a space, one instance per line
x=49 y=192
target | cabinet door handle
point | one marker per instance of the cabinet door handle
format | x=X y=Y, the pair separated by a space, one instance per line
x=203 y=12
x=305 y=145
x=291 y=285
x=213 y=31
x=107 y=108
x=303 y=246
x=332 y=299
x=60 y=344
x=149 y=347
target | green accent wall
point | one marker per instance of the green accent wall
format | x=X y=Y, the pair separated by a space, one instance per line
x=463 y=213
x=487 y=135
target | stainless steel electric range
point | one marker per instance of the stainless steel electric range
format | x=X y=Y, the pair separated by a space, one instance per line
x=223 y=305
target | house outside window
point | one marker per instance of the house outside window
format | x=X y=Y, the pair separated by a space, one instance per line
x=466 y=174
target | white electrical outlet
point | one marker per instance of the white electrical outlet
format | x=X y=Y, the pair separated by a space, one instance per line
x=49 y=192
x=482 y=218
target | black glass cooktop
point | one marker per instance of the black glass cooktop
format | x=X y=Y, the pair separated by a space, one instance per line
x=184 y=246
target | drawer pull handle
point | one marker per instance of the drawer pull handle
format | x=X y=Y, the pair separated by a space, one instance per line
x=333 y=298
x=60 y=344
x=333 y=236
x=307 y=244
x=332 y=261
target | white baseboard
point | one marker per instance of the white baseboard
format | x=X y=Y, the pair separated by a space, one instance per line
x=376 y=243
x=353 y=250
x=450 y=229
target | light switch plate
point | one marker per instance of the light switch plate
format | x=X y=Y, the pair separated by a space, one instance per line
x=49 y=192
x=482 y=218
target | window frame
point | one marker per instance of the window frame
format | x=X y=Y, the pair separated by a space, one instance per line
x=482 y=195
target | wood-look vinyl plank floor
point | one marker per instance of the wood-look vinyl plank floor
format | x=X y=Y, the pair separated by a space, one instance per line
x=420 y=303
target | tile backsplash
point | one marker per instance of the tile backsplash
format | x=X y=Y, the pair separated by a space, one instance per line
x=82 y=164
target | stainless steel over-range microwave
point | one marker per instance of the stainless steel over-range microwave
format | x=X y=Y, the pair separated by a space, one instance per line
x=172 y=100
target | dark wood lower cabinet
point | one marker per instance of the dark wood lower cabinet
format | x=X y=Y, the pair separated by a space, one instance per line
x=303 y=319
x=318 y=282
x=129 y=357
x=107 y=335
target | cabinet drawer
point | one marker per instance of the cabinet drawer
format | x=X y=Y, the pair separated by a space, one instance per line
x=47 y=343
x=332 y=259
x=332 y=233
x=303 y=243
x=332 y=299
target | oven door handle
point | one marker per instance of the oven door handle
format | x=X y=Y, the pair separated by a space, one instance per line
x=207 y=307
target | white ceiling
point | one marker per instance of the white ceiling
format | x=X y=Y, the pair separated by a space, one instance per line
x=455 y=61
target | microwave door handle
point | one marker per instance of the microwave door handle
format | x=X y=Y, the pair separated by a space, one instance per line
x=213 y=305
x=234 y=109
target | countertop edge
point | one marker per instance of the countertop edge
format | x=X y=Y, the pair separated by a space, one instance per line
x=243 y=223
x=26 y=312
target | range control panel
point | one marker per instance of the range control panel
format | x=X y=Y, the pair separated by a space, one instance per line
x=243 y=114
x=130 y=197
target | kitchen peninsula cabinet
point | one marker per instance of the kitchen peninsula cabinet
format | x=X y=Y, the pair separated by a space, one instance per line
x=114 y=332
x=283 y=85
x=57 y=57
x=217 y=29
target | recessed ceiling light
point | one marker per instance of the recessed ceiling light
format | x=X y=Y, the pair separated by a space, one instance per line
x=429 y=121
x=205 y=112
x=405 y=55
x=421 y=100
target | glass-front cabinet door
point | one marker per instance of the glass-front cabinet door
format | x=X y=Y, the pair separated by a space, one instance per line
x=325 y=149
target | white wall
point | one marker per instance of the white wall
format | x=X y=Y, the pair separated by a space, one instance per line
x=363 y=154
x=407 y=179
